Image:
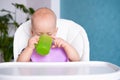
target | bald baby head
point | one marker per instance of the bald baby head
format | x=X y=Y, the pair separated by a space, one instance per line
x=43 y=12
x=43 y=21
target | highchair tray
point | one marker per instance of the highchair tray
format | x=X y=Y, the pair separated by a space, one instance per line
x=93 y=70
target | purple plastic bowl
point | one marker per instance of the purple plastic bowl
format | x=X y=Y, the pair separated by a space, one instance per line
x=55 y=55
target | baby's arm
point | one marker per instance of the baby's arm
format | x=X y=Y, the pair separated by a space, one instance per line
x=70 y=51
x=25 y=55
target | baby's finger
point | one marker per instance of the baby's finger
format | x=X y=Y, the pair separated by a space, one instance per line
x=36 y=38
x=53 y=37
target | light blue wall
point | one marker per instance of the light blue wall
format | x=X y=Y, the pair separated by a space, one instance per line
x=101 y=20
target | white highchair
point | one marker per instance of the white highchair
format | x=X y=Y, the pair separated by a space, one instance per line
x=68 y=30
x=84 y=70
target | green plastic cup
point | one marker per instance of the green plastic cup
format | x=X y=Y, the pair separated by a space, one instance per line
x=44 y=45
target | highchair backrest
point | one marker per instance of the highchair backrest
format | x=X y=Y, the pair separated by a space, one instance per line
x=67 y=29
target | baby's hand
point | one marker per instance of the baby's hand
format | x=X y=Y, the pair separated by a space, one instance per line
x=32 y=41
x=58 y=42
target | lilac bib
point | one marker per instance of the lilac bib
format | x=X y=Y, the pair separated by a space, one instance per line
x=55 y=55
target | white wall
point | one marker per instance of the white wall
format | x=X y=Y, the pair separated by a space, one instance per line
x=6 y=4
x=53 y=4
x=20 y=17
x=39 y=3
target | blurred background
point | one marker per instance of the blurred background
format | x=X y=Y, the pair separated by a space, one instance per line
x=100 y=19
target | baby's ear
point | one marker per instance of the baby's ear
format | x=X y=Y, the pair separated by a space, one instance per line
x=56 y=30
x=31 y=32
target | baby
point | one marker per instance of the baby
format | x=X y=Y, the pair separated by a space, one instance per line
x=44 y=22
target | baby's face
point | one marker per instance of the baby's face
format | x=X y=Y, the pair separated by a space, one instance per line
x=45 y=25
